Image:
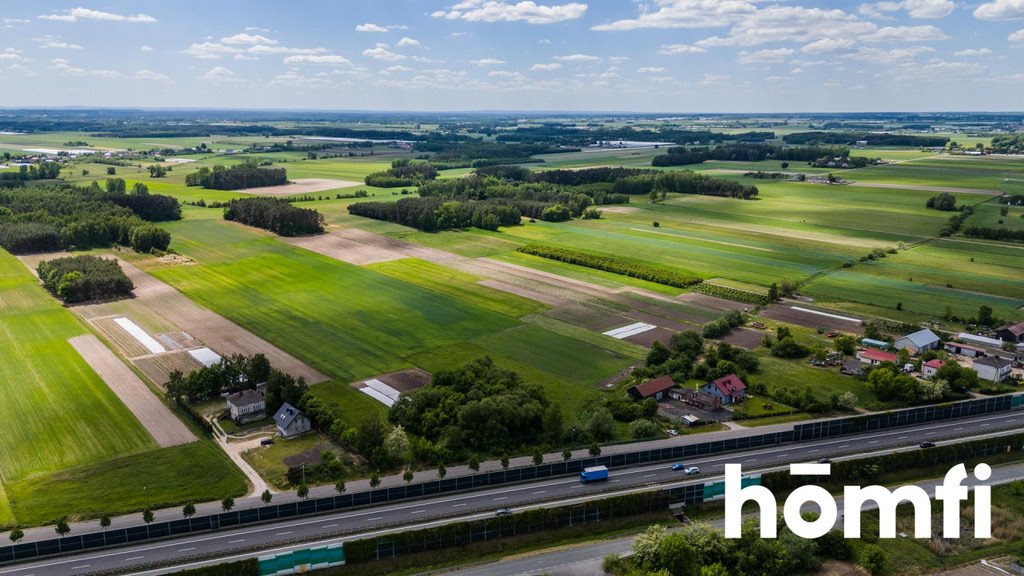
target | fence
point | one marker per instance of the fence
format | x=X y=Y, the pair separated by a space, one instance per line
x=800 y=432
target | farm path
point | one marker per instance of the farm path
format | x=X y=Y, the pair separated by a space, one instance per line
x=154 y=416
x=234 y=451
x=921 y=187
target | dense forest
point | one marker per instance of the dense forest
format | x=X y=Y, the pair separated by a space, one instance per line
x=403 y=172
x=55 y=217
x=474 y=153
x=872 y=139
x=247 y=175
x=436 y=214
x=275 y=214
x=572 y=135
x=85 y=278
x=746 y=152
x=1008 y=143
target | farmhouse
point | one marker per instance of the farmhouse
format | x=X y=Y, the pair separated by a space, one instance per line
x=964 y=349
x=873 y=357
x=992 y=368
x=291 y=421
x=652 y=388
x=729 y=389
x=246 y=406
x=929 y=368
x=701 y=400
x=920 y=341
x=1011 y=332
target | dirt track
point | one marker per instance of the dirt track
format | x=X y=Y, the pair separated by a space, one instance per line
x=302 y=186
x=154 y=416
x=344 y=249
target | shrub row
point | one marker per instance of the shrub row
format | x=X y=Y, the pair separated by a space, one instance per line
x=611 y=264
x=730 y=293
x=995 y=233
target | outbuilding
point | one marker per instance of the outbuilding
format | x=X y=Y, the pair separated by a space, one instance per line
x=968 y=350
x=653 y=388
x=920 y=341
x=1011 y=332
x=874 y=357
x=929 y=368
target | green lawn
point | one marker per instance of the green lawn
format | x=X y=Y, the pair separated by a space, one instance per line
x=194 y=472
x=66 y=415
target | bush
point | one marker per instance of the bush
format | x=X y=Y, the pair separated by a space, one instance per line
x=611 y=264
x=148 y=238
x=84 y=278
x=556 y=213
x=643 y=428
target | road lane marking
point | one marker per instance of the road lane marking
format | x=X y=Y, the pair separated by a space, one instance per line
x=283 y=533
x=375 y=518
x=80 y=567
x=502 y=498
x=457 y=505
x=958 y=429
x=187 y=549
x=330 y=526
x=649 y=475
x=134 y=558
x=236 y=541
x=540 y=491
x=902 y=438
x=417 y=511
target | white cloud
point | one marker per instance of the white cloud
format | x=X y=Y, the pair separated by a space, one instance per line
x=680 y=49
x=398 y=68
x=209 y=50
x=24 y=71
x=973 y=52
x=294 y=79
x=1000 y=10
x=146 y=48
x=152 y=76
x=661 y=79
x=369 y=27
x=248 y=39
x=264 y=49
x=11 y=54
x=219 y=74
x=524 y=11
x=326 y=59
x=913 y=8
x=55 y=43
x=1017 y=36
x=381 y=52
x=687 y=14
x=545 y=67
x=650 y=69
x=713 y=79
x=774 y=56
x=579 y=58
x=65 y=68
x=76 y=14
x=906 y=34
x=896 y=55
x=506 y=75
x=828 y=45
x=487 y=62
x=407 y=42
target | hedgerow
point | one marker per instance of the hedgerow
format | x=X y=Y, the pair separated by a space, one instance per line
x=614 y=265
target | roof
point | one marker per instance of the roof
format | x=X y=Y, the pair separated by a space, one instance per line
x=994 y=361
x=935 y=363
x=652 y=387
x=730 y=385
x=878 y=355
x=872 y=342
x=1015 y=329
x=981 y=339
x=922 y=338
x=967 y=346
x=286 y=415
x=245 y=398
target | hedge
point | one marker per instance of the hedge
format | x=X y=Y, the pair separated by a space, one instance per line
x=611 y=264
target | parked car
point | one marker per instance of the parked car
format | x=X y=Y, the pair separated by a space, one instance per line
x=679 y=466
x=266 y=442
x=927 y=444
x=692 y=471
x=824 y=461
x=502 y=511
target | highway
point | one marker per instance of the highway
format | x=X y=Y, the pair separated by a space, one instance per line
x=361 y=523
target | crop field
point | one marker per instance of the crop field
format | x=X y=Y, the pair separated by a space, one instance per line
x=983 y=173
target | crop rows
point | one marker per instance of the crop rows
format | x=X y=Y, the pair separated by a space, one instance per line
x=613 y=265
x=730 y=293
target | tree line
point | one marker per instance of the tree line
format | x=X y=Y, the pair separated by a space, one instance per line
x=403 y=172
x=240 y=177
x=85 y=278
x=55 y=217
x=435 y=214
x=44 y=171
x=747 y=152
x=872 y=139
x=612 y=264
x=275 y=214
x=989 y=233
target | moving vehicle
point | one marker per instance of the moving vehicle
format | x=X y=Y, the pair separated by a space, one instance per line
x=927 y=444
x=692 y=471
x=679 y=466
x=594 y=474
x=824 y=461
x=502 y=511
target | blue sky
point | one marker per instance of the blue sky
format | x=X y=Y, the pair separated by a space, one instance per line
x=585 y=55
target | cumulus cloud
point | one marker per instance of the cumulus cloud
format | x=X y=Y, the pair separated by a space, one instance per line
x=407 y=42
x=828 y=45
x=11 y=54
x=325 y=59
x=506 y=75
x=913 y=8
x=1017 y=36
x=687 y=14
x=650 y=69
x=151 y=76
x=381 y=52
x=681 y=49
x=264 y=49
x=64 y=67
x=1000 y=10
x=23 y=70
x=906 y=34
x=146 y=48
x=219 y=74
x=579 y=58
x=487 y=62
x=209 y=50
x=248 y=39
x=525 y=11
x=294 y=79
x=55 y=43
x=369 y=27
x=545 y=67
x=76 y=14
x=765 y=56
x=973 y=52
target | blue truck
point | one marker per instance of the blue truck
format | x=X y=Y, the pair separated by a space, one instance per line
x=594 y=474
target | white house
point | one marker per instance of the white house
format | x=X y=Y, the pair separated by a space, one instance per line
x=246 y=406
x=992 y=368
x=929 y=368
x=291 y=421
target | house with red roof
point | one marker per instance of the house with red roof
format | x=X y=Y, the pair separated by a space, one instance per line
x=873 y=357
x=729 y=389
x=929 y=368
x=653 y=388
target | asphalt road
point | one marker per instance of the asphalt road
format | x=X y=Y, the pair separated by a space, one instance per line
x=471 y=505
x=586 y=559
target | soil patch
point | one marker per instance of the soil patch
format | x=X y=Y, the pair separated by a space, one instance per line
x=406 y=380
x=154 y=416
x=783 y=313
x=744 y=338
x=344 y=249
x=712 y=302
x=301 y=186
x=648 y=337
